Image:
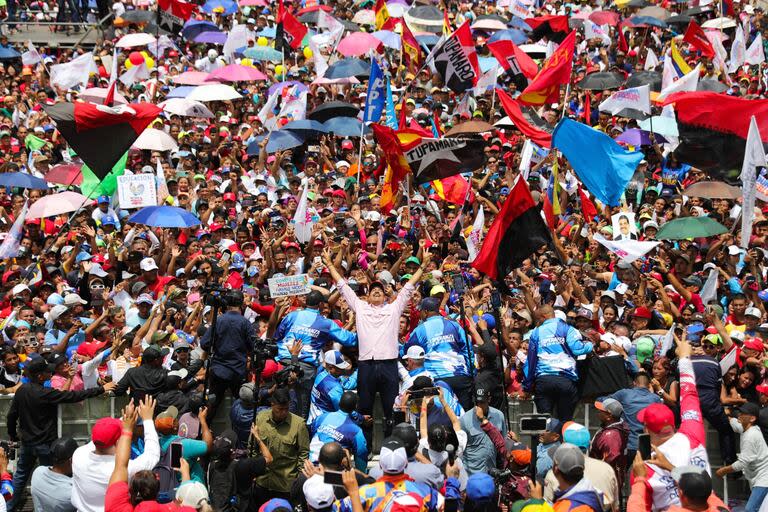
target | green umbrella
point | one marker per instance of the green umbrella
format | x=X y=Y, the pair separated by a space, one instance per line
x=690 y=227
x=263 y=53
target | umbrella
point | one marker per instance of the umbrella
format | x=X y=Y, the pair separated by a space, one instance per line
x=713 y=190
x=519 y=24
x=349 y=26
x=268 y=32
x=225 y=7
x=535 y=51
x=8 y=53
x=427 y=15
x=430 y=40
x=194 y=28
x=654 y=12
x=138 y=16
x=388 y=38
x=56 y=204
x=489 y=25
x=511 y=34
x=348 y=67
x=237 y=73
x=280 y=140
x=282 y=85
x=493 y=17
x=679 y=19
x=694 y=11
x=214 y=92
x=253 y=3
x=364 y=17
x=632 y=113
x=637 y=3
x=600 y=81
x=504 y=122
x=164 y=217
x=180 y=92
x=155 y=140
x=646 y=21
x=604 y=17
x=333 y=109
x=335 y=81
x=690 y=227
x=65 y=174
x=305 y=127
x=575 y=23
x=263 y=53
x=22 y=180
x=97 y=95
x=719 y=23
x=185 y=107
x=134 y=40
x=211 y=38
x=651 y=78
x=636 y=137
x=709 y=84
x=663 y=125
x=358 y=43
x=469 y=127
x=191 y=78
x=310 y=17
x=344 y=126
x=152 y=28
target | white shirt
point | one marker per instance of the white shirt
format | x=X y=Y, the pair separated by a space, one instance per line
x=91 y=472
x=753 y=455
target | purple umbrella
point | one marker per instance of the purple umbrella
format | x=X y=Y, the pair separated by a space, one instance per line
x=290 y=83
x=212 y=38
x=637 y=137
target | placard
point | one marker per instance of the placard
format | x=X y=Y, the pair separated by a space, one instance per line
x=136 y=190
x=287 y=286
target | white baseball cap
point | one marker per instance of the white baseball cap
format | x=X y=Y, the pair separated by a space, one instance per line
x=335 y=358
x=148 y=265
x=414 y=352
x=72 y=298
x=19 y=288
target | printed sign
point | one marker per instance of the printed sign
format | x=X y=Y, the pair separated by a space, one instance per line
x=136 y=190
x=287 y=286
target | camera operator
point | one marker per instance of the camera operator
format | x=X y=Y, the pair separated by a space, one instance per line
x=234 y=344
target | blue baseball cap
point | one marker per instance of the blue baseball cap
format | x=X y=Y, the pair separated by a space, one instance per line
x=480 y=487
x=274 y=504
x=238 y=262
x=108 y=220
x=577 y=434
x=83 y=256
x=103 y=200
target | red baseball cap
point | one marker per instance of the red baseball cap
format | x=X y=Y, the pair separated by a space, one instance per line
x=754 y=344
x=106 y=432
x=347 y=144
x=642 y=312
x=657 y=418
x=90 y=349
x=229 y=196
x=270 y=368
x=214 y=227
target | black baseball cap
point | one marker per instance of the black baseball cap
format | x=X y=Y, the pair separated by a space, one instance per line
x=750 y=409
x=39 y=365
x=693 y=481
x=482 y=395
x=62 y=449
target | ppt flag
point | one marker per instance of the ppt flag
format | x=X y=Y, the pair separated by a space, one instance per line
x=605 y=169
x=377 y=92
x=10 y=246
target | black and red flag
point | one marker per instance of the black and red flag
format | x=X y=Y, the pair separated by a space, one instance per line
x=171 y=14
x=694 y=35
x=517 y=232
x=289 y=30
x=456 y=60
x=101 y=135
x=554 y=28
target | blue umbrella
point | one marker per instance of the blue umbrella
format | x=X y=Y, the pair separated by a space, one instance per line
x=280 y=141
x=211 y=38
x=229 y=6
x=519 y=23
x=283 y=85
x=22 y=180
x=647 y=20
x=305 y=127
x=181 y=91
x=487 y=63
x=511 y=34
x=345 y=126
x=348 y=67
x=194 y=28
x=7 y=53
x=427 y=39
x=268 y=32
x=164 y=217
x=263 y=53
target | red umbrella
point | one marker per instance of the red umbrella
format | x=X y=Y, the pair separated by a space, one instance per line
x=604 y=17
x=313 y=8
x=65 y=174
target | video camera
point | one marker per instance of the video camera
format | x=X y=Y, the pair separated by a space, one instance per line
x=9 y=447
x=283 y=377
x=217 y=296
x=424 y=392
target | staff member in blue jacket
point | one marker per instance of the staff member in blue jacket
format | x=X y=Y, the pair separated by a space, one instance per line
x=341 y=427
x=314 y=331
x=550 y=369
x=328 y=387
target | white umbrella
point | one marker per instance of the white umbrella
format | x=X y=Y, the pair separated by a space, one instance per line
x=504 y=122
x=185 y=107
x=97 y=95
x=155 y=140
x=719 y=23
x=364 y=17
x=488 y=25
x=134 y=40
x=214 y=92
x=56 y=204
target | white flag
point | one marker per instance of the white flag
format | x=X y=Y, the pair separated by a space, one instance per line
x=162 y=186
x=163 y=43
x=738 y=51
x=720 y=54
x=709 y=290
x=487 y=80
x=754 y=162
x=295 y=108
x=668 y=340
x=315 y=43
x=135 y=74
x=594 y=31
x=114 y=72
x=476 y=235
x=687 y=82
x=755 y=52
x=302 y=220
x=627 y=250
x=75 y=72
x=638 y=98
x=326 y=21
x=237 y=37
x=651 y=61
x=267 y=112
x=10 y=246
x=31 y=56
x=668 y=73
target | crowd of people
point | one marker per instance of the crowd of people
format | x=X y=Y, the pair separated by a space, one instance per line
x=392 y=298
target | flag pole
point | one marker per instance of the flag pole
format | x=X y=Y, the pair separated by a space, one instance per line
x=493 y=99
x=360 y=151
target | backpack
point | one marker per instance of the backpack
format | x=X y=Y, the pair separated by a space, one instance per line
x=223 y=486
x=166 y=477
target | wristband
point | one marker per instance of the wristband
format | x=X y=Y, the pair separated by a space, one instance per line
x=126 y=433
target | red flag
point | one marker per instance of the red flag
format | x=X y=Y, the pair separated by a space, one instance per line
x=587 y=108
x=727 y=8
x=512 y=108
x=549 y=214
x=694 y=35
x=175 y=12
x=383 y=21
x=545 y=88
x=411 y=49
x=453 y=189
x=556 y=23
x=587 y=207
x=402 y=122
x=397 y=165
x=456 y=60
x=109 y=99
x=513 y=59
x=719 y=112
x=293 y=31
x=623 y=46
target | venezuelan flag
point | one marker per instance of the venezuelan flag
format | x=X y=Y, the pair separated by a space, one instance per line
x=678 y=62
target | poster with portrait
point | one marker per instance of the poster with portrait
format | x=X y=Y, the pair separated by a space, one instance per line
x=624 y=227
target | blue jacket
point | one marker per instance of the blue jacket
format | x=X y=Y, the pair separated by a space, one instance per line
x=325 y=396
x=445 y=344
x=234 y=343
x=313 y=330
x=241 y=418
x=340 y=427
x=552 y=350
x=634 y=400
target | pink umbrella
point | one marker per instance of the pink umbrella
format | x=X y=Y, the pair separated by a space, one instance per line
x=56 y=204
x=65 y=174
x=191 y=78
x=252 y=3
x=237 y=73
x=604 y=17
x=97 y=95
x=358 y=43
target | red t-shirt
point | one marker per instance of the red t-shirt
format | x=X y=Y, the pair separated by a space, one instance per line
x=117 y=500
x=159 y=284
